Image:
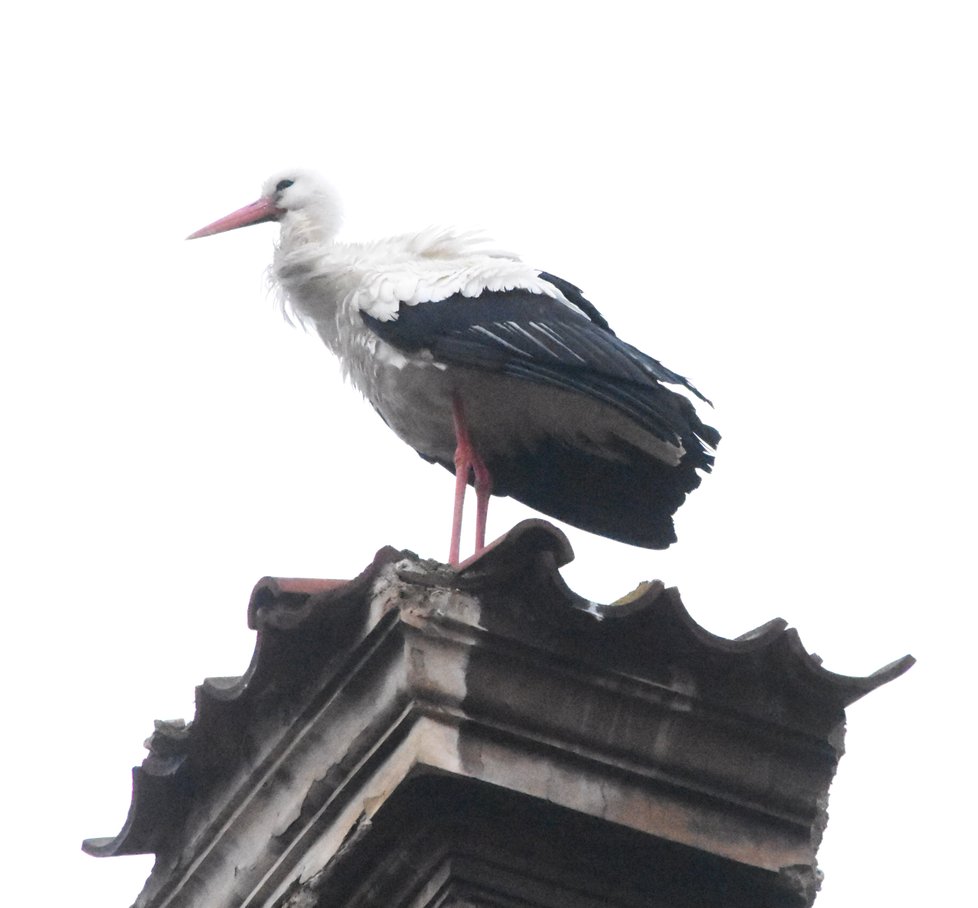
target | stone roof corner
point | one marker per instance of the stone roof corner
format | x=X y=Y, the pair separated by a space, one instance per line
x=424 y=735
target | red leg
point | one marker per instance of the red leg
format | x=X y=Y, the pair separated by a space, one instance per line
x=463 y=452
x=467 y=458
x=461 y=478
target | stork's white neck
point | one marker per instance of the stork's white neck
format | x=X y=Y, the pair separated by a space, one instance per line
x=308 y=267
x=311 y=225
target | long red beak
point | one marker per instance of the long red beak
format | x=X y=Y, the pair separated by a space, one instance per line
x=255 y=213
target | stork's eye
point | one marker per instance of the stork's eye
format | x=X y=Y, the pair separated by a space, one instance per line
x=283 y=185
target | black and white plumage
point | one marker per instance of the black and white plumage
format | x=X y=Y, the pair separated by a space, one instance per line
x=484 y=364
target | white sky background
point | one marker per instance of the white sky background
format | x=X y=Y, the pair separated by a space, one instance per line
x=777 y=200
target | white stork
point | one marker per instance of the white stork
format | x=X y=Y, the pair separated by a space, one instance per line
x=490 y=367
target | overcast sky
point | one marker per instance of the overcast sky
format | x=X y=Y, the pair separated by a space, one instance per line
x=777 y=200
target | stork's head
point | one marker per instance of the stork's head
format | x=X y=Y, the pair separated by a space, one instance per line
x=293 y=197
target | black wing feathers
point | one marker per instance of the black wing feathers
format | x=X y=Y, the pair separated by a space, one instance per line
x=532 y=336
x=575 y=295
